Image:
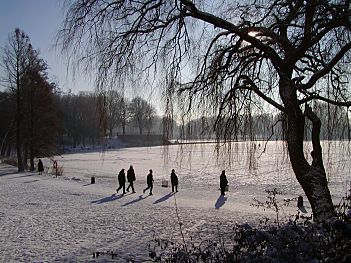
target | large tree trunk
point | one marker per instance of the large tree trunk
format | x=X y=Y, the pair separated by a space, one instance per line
x=18 y=128
x=123 y=128
x=31 y=160
x=6 y=144
x=312 y=178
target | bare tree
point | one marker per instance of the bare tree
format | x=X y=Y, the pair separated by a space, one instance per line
x=16 y=63
x=286 y=54
x=141 y=113
x=124 y=115
x=115 y=110
x=80 y=117
x=31 y=97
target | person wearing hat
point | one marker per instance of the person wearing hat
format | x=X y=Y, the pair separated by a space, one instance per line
x=150 y=182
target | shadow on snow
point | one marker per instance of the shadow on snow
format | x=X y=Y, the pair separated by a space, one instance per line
x=31 y=181
x=220 y=201
x=141 y=197
x=303 y=209
x=111 y=198
x=164 y=198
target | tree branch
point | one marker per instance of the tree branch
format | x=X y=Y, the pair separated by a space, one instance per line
x=318 y=97
x=327 y=68
x=252 y=86
x=243 y=33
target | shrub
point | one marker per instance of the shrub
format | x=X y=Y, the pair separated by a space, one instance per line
x=298 y=240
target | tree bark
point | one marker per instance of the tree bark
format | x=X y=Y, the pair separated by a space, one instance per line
x=31 y=160
x=18 y=122
x=312 y=178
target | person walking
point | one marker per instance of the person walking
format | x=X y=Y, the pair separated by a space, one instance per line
x=150 y=182
x=223 y=182
x=40 y=167
x=131 y=178
x=174 y=181
x=122 y=181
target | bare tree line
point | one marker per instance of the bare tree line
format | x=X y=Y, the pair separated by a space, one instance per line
x=268 y=126
x=81 y=117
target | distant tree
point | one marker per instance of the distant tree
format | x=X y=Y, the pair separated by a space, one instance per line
x=115 y=111
x=16 y=64
x=336 y=121
x=286 y=54
x=79 y=117
x=141 y=113
x=124 y=115
x=87 y=117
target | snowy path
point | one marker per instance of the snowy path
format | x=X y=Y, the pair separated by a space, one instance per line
x=52 y=219
x=65 y=219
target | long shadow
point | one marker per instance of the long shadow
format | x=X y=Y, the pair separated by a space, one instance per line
x=141 y=197
x=31 y=181
x=21 y=176
x=220 y=201
x=111 y=198
x=164 y=198
x=303 y=209
x=8 y=170
x=7 y=173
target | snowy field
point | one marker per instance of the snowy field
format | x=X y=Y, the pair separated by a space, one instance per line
x=66 y=219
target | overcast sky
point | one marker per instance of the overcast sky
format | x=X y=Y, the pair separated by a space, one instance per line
x=40 y=20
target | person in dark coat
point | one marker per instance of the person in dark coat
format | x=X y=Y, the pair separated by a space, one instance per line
x=122 y=181
x=150 y=182
x=131 y=178
x=223 y=182
x=40 y=166
x=174 y=181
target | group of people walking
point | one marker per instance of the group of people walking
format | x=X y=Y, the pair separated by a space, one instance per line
x=130 y=178
x=223 y=182
x=149 y=181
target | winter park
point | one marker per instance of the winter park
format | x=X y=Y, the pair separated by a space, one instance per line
x=175 y=131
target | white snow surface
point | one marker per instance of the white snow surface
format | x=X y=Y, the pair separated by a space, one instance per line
x=67 y=219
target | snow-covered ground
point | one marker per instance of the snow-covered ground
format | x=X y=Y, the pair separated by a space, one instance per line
x=66 y=219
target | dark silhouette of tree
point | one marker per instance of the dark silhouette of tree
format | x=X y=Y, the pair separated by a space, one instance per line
x=286 y=54
x=124 y=115
x=7 y=124
x=40 y=122
x=141 y=113
x=115 y=111
x=16 y=63
x=79 y=118
x=30 y=96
